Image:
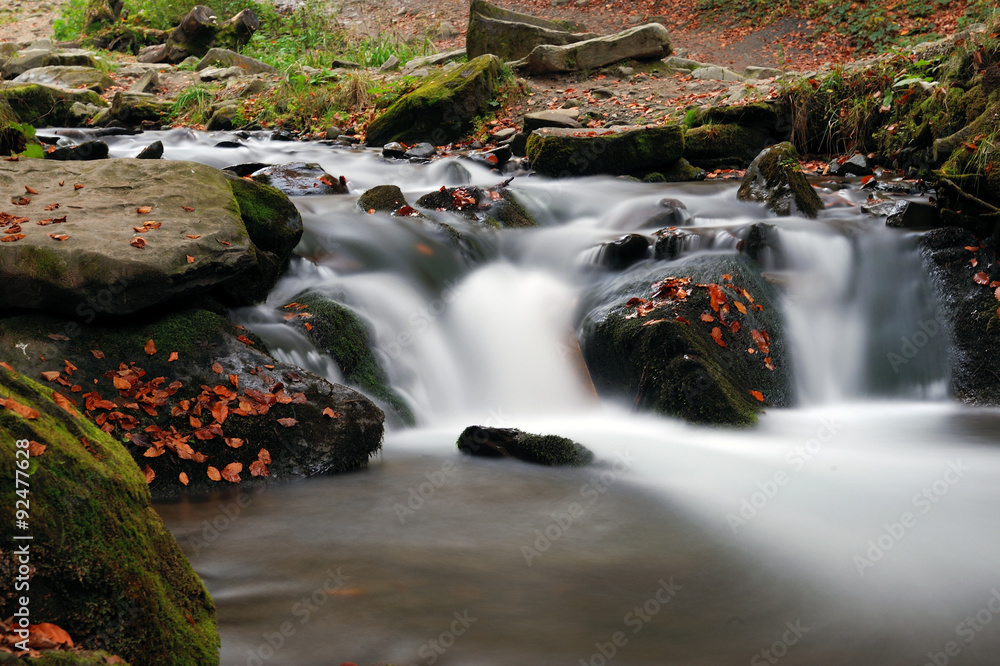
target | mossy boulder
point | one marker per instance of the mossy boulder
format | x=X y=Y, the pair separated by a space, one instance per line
x=382 y=199
x=104 y=567
x=775 y=179
x=562 y=153
x=43 y=54
x=682 y=171
x=645 y=344
x=338 y=331
x=977 y=171
x=45 y=106
x=969 y=310
x=333 y=429
x=495 y=209
x=14 y=137
x=723 y=146
x=512 y=443
x=133 y=108
x=73 y=77
x=445 y=106
x=512 y=35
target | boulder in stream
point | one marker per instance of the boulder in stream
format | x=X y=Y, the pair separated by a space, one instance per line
x=300 y=179
x=714 y=354
x=103 y=567
x=563 y=153
x=513 y=443
x=496 y=208
x=775 y=179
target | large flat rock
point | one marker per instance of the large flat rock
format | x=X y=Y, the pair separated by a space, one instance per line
x=650 y=41
x=97 y=267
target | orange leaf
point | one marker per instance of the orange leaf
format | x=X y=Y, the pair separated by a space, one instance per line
x=707 y=318
x=188 y=208
x=120 y=383
x=996 y=294
x=734 y=327
x=50 y=633
x=183 y=478
x=213 y=474
x=258 y=468
x=234 y=442
x=138 y=242
x=761 y=339
x=51 y=375
x=974 y=262
x=234 y=380
x=10 y=238
x=329 y=412
x=8 y=366
x=192 y=236
x=231 y=472
x=61 y=183
x=149 y=347
x=30 y=190
x=77 y=186
x=245 y=340
x=149 y=474
x=142 y=210
x=18 y=408
x=288 y=422
x=717 y=336
x=35 y=449
x=739 y=306
x=97 y=353
x=173 y=357
x=981 y=278
x=768 y=363
x=264 y=456
x=189 y=258
x=758 y=395
x=64 y=402
x=217 y=368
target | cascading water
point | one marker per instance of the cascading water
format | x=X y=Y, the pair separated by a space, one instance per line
x=848 y=530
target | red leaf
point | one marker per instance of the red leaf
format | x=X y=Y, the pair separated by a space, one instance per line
x=761 y=339
x=758 y=395
x=173 y=357
x=245 y=340
x=188 y=208
x=76 y=186
x=234 y=442
x=739 y=306
x=981 y=278
x=288 y=422
x=332 y=414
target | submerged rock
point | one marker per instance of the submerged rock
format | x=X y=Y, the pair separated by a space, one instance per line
x=615 y=151
x=775 y=179
x=103 y=567
x=513 y=443
x=221 y=401
x=300 y=179
x=623 y=252
x=444 y=108
x=715 y=355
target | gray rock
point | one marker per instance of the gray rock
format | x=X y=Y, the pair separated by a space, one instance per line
x=226 y=58
x=421 y=151
x=390 y=64
x=222 y=119
x=222 y=73
x=432 y=60
x=856 y=165
x=153 y=151
x=540 y=119
x=511 y=35
x=138 y=69
x=775 y=179
x=684 y=64
x=905 y=214
x=754 y=72
x=716 y=73
x=88 y=150
x=68 y=77
x=147 y=83
x=649 y=41
x=300 y=179
x=83 y=112
x=33 y=58
x=344 y=64
x=503 y=134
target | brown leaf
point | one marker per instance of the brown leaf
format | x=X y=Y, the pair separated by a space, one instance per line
x=142 y=210
x=234 y=380
x=19 y=409
x=64 y=402
x=49 y=635
x=332 y=414
x=173 y=357
x=35 y=449
x=190 y=259
x=231 y=472
x=20 y=201
x=189 y=209
x=11 y=238
x=97 y=353
x=149 y=347
x=758 y=395
x=30 y=190
x=183 y=478
x=213 y=474
x=264 y=456
x=245 y=340
x=61 y=183
x=138 y=242
x=51 y=207
x=217 y=368
x=51 y=375
x=734 y=327
x=739 y=306
x=258 y=468
x=59 y=237
x=220 y=411
x=8 y=367
x=234 y=442
x=226 y=243
x=981 y=278
x=996 y=294
x=707 y=318
x=76 y=186
x=149 y=473
x=717 y=336
x=761 y=339
x=121 y=383
x=192 y=236
x=768 y=363
x=288 y=422
x=57 y=336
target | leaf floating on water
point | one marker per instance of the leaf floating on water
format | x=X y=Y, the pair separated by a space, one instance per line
x=758 y=395
x=981 y=278
x=149 y=347
x=717 y=336
x=213 y=474
x=149 y=474
x=183 y=478
x=424 y=249
x=288 y=422
x=231 y=472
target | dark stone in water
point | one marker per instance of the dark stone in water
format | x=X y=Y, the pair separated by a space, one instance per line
x=513 y=443
x=300 y=178
x=282 y=135
x=153 y=151
x=624 y=252
x=762 y=243
x=394 y=150
x=246 y=169
x=421 y=151
x=672 y=243
x=492 y=159
x=90 y=150
x=856 y=165
x=229 y=144
x=115 y=128
x=672 y=213
x=905 y=214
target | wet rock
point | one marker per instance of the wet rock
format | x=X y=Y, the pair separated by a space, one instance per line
x=420 y=151
x=394 y=150
x=497 y=208
x=669 y=213
x=511 y=35
x=673 y=243
x=649 y=41
x=222 y=119
x=512 y=443
x=491 y=159
x=615 y=151
x=905 y=214
x=444 y=108
x=88 y=150
x=382 y=199
x=856 y=165
x=153 y=151
x=682 y=171
x=775 y=179
x=671 y=361
x=245 y=169
x=104 y=566
x=540 y=119
x=300 y=179
x=762 y=243
x=723 y=146
x=623 y=252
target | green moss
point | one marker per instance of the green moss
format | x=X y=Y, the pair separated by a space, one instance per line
x=341 y=333
x=554 y=450
x=106 y=568
x=723 y=146
x=271 y=219
x=775 y=179
x=444 y=108
x=43 y=264
x=382 y=199
x=561 y=154
x=133 y=108
x=43 y=106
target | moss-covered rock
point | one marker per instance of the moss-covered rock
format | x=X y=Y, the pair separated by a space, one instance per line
x=382 y=199
x=338 y=331
x=775 y=179
x=645 y=344
x=682 y=171
x=512 y=443
x=333 y=428
x=13 y=136
x=561 y=153
x=496 y=209
x=976 y=171
x=132 y=108
x=103 y=565
x=723 y=146
x=512 y=35
x=969 y=310
x=45 y=106
x=445 y=106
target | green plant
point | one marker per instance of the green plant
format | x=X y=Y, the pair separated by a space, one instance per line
x=194 y=103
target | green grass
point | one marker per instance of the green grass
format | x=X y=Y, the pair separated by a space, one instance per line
x=194 y=103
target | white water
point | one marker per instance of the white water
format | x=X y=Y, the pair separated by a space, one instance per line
x=842 y=513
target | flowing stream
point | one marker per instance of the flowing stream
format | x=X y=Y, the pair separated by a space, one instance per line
x=859 y=527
